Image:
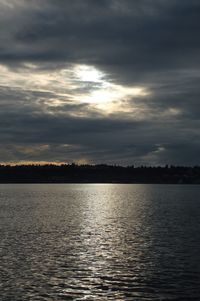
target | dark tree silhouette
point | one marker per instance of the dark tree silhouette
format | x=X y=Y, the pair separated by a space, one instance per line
x=102 y=173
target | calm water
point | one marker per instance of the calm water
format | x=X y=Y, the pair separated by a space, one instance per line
x=99 y=242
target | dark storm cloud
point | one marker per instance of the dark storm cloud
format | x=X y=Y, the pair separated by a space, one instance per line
x=147 y=35
x=147 y=43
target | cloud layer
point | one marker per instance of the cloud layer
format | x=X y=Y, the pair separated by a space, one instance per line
x=100 y=81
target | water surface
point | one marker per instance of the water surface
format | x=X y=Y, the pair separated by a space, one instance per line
x=99 y=242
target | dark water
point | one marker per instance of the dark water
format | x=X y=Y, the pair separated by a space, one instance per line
x=99 y=242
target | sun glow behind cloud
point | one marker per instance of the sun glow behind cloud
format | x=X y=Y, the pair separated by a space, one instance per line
x=88 y=73
x=105 y=95
x=73 y=85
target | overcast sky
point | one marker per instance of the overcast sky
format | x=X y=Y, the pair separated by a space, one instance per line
x=100 y=81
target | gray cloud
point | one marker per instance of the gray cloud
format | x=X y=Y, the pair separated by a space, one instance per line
x=152 y=44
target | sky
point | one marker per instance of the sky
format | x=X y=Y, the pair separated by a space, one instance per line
x=100 y=81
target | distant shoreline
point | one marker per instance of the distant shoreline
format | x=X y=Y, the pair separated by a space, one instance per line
x=91 y=174
x=114 y=183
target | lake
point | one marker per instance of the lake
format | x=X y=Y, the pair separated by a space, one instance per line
x=99 y=242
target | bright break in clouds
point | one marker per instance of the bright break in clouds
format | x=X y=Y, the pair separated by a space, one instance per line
x=105 y=81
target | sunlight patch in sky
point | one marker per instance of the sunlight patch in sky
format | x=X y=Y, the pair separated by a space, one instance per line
x=104 y=95
x=88 y=74
x=73 y=85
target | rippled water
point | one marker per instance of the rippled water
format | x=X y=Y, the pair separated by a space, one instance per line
x=99 y=242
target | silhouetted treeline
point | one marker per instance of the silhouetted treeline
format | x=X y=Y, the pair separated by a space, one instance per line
x=73 y=173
